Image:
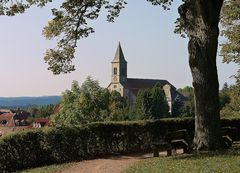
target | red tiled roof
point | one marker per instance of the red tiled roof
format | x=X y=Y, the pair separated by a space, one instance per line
x=42 y=121
x=9 y=117
x=5 y=111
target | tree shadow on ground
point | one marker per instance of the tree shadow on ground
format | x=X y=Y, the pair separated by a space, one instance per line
x=233 y=151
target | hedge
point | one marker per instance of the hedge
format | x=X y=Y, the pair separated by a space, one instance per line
x=58 y=145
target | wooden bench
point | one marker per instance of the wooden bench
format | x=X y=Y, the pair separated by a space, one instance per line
x=174 y=140
x=228 y=135
x=179 y=140
x=161 y=146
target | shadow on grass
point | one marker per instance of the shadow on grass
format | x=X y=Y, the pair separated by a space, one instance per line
x=233 y=151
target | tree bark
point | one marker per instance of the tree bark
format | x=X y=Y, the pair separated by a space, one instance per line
x=200 y=19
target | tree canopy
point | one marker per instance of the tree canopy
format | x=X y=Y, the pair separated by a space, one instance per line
x=89 y=103
x=151 y=103
x=81 y=105
x=187 y=110
x=230 y=20
x=230 y=100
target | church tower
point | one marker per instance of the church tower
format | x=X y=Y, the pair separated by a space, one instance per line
x=119 y=67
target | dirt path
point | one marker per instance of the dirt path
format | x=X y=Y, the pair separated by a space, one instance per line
x=114 y=164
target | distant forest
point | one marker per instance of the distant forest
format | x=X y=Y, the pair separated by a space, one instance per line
x=24 y=102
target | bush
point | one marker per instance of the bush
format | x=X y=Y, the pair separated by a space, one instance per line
x=58 y=145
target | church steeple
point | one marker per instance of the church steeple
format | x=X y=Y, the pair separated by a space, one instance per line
x=119 y=57
x=119 y=66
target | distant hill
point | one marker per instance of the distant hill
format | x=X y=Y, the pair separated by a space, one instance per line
x=28 y=101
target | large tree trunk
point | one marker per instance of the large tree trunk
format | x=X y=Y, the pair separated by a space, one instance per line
x=200 y=19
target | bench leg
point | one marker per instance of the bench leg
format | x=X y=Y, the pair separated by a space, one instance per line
x=155 y=153
x=186 y=150
x=174 y=151
x=169 y=152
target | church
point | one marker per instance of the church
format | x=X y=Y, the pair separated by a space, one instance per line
x=129 y=87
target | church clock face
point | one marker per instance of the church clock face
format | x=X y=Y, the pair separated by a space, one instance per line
x=115 y=78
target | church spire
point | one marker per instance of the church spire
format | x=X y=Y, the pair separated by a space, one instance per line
x=119 y=67
x=119 y=57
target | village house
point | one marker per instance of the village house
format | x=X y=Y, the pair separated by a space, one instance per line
x=7 y=119
x=129 y=87
x=12 y=118
x=40 y=122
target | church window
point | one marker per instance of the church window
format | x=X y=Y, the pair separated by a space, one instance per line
x=114 y=86
x=115 y=71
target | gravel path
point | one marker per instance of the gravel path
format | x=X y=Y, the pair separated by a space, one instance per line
x=114 y=164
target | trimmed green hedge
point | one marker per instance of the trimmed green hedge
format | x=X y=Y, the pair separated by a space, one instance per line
x=58 y=145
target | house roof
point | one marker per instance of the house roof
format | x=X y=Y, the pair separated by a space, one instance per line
x=9 y=117
x=5 y=111
x=21 y=115
x=119 y=57
x=42 y=121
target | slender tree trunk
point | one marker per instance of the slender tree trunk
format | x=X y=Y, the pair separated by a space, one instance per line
x=201 y=18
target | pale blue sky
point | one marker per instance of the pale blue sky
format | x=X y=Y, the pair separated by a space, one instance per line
x=146 y=35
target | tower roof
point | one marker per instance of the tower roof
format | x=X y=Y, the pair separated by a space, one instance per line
x=119 y=57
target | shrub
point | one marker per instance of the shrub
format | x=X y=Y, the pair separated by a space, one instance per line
x=58 y=145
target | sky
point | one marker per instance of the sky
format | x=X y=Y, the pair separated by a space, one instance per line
x=150 y=47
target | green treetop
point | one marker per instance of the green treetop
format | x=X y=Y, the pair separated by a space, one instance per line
x=230 y=20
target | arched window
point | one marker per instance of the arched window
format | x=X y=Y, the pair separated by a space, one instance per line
x=115 y=71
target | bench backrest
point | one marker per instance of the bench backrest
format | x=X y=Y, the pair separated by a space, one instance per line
x=179 y=134
x=229 y=131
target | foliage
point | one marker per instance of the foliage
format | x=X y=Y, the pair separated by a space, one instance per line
x=42 y=111
x=178 y=107
x=151 y=103
x=224 y=97
x=227 y=95
x=61 y=145
x=81 y=104
x=117 y=106
x=188 y=108
x=232 y=105
x=89 y=103
x=230 y=19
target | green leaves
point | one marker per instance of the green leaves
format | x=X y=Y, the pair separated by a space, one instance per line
x=114 y=9
x=60 y=60
x=64 y=144
x=230 y=19
x=152 y=103
x=164 y=3
x=10 y=8
x=231 y=107
x=188 y=109
x=70 y=24
x=230 y=50
x=82 y=105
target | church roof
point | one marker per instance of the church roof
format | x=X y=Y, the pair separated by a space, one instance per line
x=144 y=83
x=135 y=85
x=119 y=57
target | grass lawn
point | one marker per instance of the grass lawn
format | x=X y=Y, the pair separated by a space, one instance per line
x=213 y=162
x=227 y=161
x=49 y=169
